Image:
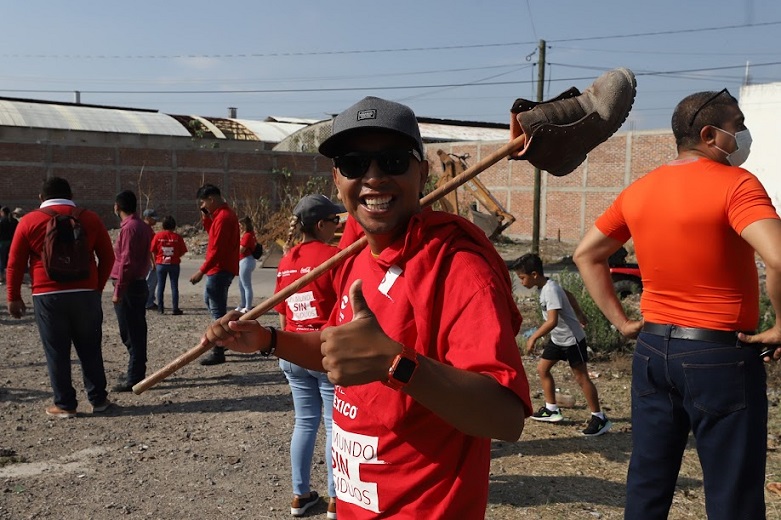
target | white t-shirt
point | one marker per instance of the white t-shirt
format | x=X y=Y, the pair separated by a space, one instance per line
x=568 y=331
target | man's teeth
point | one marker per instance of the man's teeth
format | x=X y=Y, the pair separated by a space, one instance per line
x=377 y=203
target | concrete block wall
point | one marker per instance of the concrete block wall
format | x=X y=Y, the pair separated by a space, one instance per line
x=166 y=172
x=569 y=204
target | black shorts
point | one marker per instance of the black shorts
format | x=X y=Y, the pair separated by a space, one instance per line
x=576 y=354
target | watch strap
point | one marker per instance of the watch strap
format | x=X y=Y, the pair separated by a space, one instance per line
x=402 y=369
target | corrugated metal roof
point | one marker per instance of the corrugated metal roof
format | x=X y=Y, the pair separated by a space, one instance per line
x=268 y=131
x=309 y=137
x=296 y=120
x=96 y=119
x=444 y=133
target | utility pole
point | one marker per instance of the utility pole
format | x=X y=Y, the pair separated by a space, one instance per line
x=537 y=171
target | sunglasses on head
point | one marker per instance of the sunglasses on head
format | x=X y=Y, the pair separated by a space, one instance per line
x=708 y=102
x=354 y=165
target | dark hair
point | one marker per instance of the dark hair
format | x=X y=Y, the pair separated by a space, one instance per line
x=56 y=188
x=697 y=111
x=247 y=223
x=126 y=201
x=169 y=224
x=309 y=228
x=206 y=191
x=5 y=210
x=528 y=264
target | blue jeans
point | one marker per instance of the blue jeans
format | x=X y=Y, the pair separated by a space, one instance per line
x=313 y=398
x=215 y=295
x=131 y=317
x=75 y=317
x=718 y=391
x=246 y=266
x=167 y=271
x=151 y=283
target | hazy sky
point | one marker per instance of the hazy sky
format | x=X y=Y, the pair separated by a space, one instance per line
x=451 y=59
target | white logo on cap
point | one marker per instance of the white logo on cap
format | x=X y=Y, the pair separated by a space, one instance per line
x=367 y=114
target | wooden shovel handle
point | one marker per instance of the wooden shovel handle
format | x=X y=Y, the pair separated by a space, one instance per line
x=263 y=307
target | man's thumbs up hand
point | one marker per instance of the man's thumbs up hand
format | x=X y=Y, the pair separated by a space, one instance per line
x=361 y=310
x=357 y=352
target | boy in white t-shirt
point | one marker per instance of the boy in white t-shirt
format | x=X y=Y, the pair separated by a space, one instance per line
x=563 y=318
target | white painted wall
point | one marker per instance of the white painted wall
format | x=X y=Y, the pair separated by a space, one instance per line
x=761 y=105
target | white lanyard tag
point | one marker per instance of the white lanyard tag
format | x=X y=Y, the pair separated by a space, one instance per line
x=389 y=279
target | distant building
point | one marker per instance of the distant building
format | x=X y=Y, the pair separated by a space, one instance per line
x=761 y=104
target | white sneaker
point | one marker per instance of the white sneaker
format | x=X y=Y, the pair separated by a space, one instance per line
x=237 y=309
x=245 y=310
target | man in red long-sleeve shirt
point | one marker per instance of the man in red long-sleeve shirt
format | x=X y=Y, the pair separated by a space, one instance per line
x=66 y=312
x=222 y=257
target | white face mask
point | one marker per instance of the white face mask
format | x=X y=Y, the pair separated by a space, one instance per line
x=742 y=147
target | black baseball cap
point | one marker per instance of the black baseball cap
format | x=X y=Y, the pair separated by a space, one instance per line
x=313 y=208
x=376 y=114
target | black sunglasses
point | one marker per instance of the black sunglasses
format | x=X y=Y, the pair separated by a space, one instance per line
x=334 y=219
x=709 y=101
x=354 y=165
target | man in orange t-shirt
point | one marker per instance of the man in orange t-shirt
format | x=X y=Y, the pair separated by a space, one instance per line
x=695 y=222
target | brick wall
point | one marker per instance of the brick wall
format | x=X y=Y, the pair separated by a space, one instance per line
x=569 y=204
x=169 y=170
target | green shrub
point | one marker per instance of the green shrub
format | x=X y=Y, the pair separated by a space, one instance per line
x=767 y=317
x=602 y=337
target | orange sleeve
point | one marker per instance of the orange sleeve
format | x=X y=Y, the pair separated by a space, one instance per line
x=749 y=203
x=612 y=222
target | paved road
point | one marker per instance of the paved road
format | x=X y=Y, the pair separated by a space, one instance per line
x=263 y=282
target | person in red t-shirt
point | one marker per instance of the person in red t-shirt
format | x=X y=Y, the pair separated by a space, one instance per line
x=696 y=222
x=247 y=263
x=167 y=249
x=421 y=344
x=316 y=218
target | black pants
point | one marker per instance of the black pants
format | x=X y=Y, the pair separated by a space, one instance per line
x=131 y=315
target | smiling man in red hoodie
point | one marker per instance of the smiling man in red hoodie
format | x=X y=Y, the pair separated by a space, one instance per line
x=427 y=371
x=421 y=345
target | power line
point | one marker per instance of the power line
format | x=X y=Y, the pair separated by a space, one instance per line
x=663 y=33
x=374 y=51
x=478 y=83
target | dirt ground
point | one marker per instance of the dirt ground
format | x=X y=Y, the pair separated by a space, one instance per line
x=212 y=442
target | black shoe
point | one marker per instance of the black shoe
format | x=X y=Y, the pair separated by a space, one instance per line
x=152 y=307
x=597 y=426
x=161 y=310
x=545 y=415
x=123 y=386
x=177 y=312
x=214 y=358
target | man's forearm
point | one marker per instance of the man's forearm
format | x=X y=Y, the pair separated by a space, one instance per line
x=596 y=278
x=475 y=404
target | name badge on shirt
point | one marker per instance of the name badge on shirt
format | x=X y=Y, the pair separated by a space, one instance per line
x=389 y=279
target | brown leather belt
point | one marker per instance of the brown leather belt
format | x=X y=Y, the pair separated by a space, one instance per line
x=674 y=331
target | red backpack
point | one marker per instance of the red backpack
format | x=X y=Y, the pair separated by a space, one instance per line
x=66 y=254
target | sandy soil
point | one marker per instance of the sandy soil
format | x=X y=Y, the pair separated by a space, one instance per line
x=212 y=442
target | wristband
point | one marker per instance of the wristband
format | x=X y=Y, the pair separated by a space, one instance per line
x=272 y=346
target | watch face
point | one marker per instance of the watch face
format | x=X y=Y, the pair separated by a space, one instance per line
x=404 y=370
